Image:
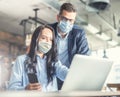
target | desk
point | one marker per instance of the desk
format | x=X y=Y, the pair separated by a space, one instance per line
x=114 y=85
x=57 y=94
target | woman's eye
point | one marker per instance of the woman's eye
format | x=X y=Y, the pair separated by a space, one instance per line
x=43 y=37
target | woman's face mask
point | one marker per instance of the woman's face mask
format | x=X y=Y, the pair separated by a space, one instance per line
x=44 y=47
x=65 y=26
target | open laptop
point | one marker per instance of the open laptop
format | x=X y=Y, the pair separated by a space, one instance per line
x=87 y=73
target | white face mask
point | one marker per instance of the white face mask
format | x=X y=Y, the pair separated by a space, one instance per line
x=44 y=47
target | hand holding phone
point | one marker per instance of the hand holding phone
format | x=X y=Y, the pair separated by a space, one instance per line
x=32 y=78
x=33 y=86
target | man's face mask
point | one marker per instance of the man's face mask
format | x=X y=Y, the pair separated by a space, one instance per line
x=44 y=47
x=65 y=26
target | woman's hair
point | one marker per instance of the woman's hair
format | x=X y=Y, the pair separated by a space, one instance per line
x=68 y=7
x=51 y=56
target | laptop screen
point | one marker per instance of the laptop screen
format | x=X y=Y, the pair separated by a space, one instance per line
x=87 y=73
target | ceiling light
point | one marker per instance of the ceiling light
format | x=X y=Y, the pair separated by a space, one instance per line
x=103 y=36
x=99 y=4
x=92 y=29
x=118 y=34
x=113 y=43
x=104 y=52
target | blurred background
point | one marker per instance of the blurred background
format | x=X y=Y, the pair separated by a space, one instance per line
x=19 y=18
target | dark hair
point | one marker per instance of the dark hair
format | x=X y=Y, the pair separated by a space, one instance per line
x=51 y=56
x=68 y=7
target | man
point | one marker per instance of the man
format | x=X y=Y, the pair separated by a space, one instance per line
x=70 y=38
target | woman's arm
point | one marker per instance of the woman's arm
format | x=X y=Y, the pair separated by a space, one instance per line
x=16 y=79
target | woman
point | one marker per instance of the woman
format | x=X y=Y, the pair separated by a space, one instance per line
x=42 y=61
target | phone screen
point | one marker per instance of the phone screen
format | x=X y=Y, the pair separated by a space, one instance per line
x=32 y=78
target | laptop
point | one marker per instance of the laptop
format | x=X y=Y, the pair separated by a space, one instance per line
x=87 y=73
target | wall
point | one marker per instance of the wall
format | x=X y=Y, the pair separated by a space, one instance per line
x=9 y=50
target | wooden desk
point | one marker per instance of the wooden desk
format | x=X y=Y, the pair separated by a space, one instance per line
x=114 y=85
x=57 y=94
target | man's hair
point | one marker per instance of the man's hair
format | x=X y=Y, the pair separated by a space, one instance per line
x=68 y=7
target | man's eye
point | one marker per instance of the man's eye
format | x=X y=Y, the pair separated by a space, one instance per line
x=64 y=18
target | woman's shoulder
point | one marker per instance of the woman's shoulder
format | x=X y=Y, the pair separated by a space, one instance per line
x=22 y=57
x=20 y=61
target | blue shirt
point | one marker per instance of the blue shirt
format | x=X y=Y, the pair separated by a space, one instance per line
x=19 y=77
x=77 y=41
x=62 y=46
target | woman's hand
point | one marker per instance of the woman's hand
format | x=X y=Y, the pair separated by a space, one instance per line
x=33 y=86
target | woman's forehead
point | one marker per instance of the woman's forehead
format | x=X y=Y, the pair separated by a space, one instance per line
x=47 y=32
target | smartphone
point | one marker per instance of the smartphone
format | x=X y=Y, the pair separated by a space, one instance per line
x=32 y=78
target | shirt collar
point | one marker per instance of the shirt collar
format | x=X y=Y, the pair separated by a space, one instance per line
x=59 y=35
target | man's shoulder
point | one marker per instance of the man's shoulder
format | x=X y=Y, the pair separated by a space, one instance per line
x=53 y=24
x=77 y=30
x=76 y=27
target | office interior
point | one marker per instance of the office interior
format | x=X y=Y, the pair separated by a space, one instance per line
x=18 y=19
